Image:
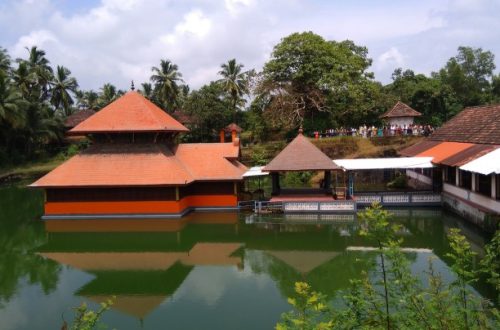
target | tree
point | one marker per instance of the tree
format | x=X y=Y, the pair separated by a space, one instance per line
x=308 y=74
x=235 y=83
x=166 y=79
x=107 y=95
x=147 y=90
x=469 y=74
x=11 y=104
x=38 y=64
x=63 y=84
x=210 y=110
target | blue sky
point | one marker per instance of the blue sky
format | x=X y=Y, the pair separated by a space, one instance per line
x=116 y=41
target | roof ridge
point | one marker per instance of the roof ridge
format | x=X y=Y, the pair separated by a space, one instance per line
x=150 y=111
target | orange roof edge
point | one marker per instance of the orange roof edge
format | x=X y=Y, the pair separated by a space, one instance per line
x=444 y=150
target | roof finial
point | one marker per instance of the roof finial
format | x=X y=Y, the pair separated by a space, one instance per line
x=301 y=131
x=132 y=87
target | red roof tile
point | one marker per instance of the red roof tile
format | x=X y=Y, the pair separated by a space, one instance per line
x=468 y=155
x=401 y=110
x=300 y=155
x=119 y=165
x=76 y=118
x=211 y=161
x=417 y=148
x=130 y=113
x=473 y=125
x=112 y=165
x=444 y=150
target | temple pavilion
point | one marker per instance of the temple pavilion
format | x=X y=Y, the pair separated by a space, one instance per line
x=301 y=155
x=135 y=168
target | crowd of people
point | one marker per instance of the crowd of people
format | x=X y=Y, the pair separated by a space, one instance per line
x=372 y=131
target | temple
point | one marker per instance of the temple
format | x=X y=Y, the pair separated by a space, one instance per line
x=135 y=168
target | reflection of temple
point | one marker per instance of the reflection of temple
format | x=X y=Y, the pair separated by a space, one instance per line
x=141 y=281
x=143 y=268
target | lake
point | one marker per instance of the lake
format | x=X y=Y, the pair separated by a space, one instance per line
x=205 y=271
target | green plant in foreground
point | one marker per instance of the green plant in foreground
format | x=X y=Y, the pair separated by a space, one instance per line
x=87 y=319
x=395 y=298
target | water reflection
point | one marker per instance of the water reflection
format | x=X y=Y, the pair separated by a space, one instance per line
x=226 y=268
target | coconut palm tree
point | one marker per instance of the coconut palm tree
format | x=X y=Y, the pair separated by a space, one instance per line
x=107 y=95
x=39 y=65
x=4 y=60
x=234 y=82
x=12 y=104
x=62 y=85
x=147 y=90
x=166 y=88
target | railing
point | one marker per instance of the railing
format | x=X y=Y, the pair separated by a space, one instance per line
x=420 y=198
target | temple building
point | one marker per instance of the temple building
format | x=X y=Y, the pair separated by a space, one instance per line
x=465 y=153
x=135 y=168
x=400 y=115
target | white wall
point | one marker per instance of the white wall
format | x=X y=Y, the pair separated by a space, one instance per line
x=401 y=121
x=481 y=200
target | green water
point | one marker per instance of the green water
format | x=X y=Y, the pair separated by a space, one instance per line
x=208 y=271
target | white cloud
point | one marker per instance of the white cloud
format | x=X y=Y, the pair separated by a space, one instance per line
x=117 y=41
x=391 y=58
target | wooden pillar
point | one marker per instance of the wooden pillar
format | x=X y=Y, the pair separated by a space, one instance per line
x=493 y=186
x=275 y=177
x=327 y=181
x=177 y=194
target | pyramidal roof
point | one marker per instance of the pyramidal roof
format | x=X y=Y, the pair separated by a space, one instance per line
x=401 y=110
x=300 y=155
x=130 y=113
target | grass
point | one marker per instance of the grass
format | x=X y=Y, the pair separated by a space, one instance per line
x=31 y=170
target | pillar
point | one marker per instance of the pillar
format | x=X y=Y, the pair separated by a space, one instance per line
x=327 y=181
x=350 y=191
x=457 y=176
x=234 y=135
x=473 y=183
x=493 y=186
x=222 y=136
x=275 y=178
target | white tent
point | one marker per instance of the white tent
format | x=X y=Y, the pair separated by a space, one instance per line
x=384 y=163
x=487 y=164
x=255 y=171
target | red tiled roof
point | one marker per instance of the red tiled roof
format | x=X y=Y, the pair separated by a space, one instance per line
x=444 y=150
x=211 y=161
x=233 y=127
x=76 y=118
x=468 y=155
x=130 y=113
x=418 y=148
x=473 y=125
x=118 y=165
x=112 y=165
x=401 y=110
x=300 y=155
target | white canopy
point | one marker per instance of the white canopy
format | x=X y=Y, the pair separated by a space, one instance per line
x=487 y=164
x=384 y=163
x=255 y=171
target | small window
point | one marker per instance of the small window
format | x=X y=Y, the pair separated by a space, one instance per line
x=465 y=179
x=483 y=184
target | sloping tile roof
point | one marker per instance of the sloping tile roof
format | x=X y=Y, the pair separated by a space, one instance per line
x=417 y=148
x=119 y=165
x=401 y=110
x=300 y=155
x=444 y=150
x=468 y=155
x=233 y=127
x=211 y=161
x=472 y=125
x=76 y=118
x=114 y=165
x=183 y=117
x=130 y=113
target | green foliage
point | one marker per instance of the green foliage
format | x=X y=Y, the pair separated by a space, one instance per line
x=399 y=182
x=396 y=298
x=490 y=265
x=88 y=319
x=297 y=179
x=309 y=311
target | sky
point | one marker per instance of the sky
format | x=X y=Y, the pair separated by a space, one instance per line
x=116 y=41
